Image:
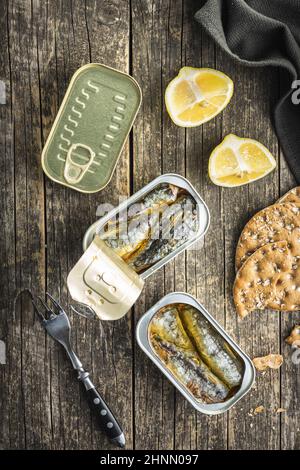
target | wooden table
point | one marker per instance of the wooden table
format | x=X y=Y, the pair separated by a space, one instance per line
x=42 y=225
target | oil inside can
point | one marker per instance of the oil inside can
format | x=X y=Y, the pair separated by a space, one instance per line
x=195 y=353
x=159 y=223
x=172 y=343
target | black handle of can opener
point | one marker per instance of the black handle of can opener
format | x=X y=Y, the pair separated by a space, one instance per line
x=105 y=417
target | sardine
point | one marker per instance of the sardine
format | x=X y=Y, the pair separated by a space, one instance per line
x=167 y=324
x=174 y=348
x=211 y=347
x=125 y=237
x=164 y=193
x=179 y=223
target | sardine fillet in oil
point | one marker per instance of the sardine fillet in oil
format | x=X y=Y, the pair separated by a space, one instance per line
x=177 y=227
x=174 y=348
x=127 y=236
x=211 y=347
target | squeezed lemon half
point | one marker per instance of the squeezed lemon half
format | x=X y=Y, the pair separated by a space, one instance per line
x=197 y=95
x=237 y=161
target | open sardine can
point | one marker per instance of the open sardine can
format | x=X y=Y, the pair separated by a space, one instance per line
x=91 y=128
x=102 y=282
x=144 y=341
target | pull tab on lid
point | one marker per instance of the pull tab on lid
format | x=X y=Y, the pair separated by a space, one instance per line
x=103 y=281
x=79 y=159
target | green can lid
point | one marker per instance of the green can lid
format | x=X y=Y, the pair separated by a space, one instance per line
x=91 y=128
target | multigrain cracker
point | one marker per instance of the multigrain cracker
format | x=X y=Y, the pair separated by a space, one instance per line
x=255 y=281
x=271 y=361
x=272 y=224
x=287 y=287
x=291 y=196
x=270 y=278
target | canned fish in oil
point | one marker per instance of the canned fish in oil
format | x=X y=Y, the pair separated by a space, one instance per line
x=168 y=334
x=91 y=127
x=110 y=275
x=172 y=179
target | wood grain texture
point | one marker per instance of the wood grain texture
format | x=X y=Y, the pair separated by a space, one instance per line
x=154 y=396
x=41 y=404
x=290 y=378
x=259 y=333
x=205 y=266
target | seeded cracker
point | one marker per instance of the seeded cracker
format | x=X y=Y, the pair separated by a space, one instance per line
x=270 y=278
x=291 y=196
x=272 y=224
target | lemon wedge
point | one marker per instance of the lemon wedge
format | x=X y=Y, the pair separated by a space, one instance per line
x=237 y=161
x=197 y=95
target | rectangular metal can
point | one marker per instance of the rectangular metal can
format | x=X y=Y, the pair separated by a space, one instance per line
x=91 y=127
x=143 y=341
x=172 y=178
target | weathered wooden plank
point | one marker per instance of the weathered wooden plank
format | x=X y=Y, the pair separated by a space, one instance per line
x=205 y=265
x=54 y=69
x=248 y=115
x=109 y=27
x=7 y=237
x=173 y=161
x=25 y=197
x=154 y=396
x=72 y=35
x=290 y=381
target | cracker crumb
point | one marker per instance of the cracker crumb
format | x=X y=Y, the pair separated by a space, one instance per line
x=294 y=338
x=259 y=409
x=271 y=361
x=280 y=410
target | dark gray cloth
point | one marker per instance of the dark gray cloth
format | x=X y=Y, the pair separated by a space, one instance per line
x=264 y=33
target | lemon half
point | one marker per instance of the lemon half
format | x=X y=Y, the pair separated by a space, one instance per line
x=197 y=95
x=237 y=161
